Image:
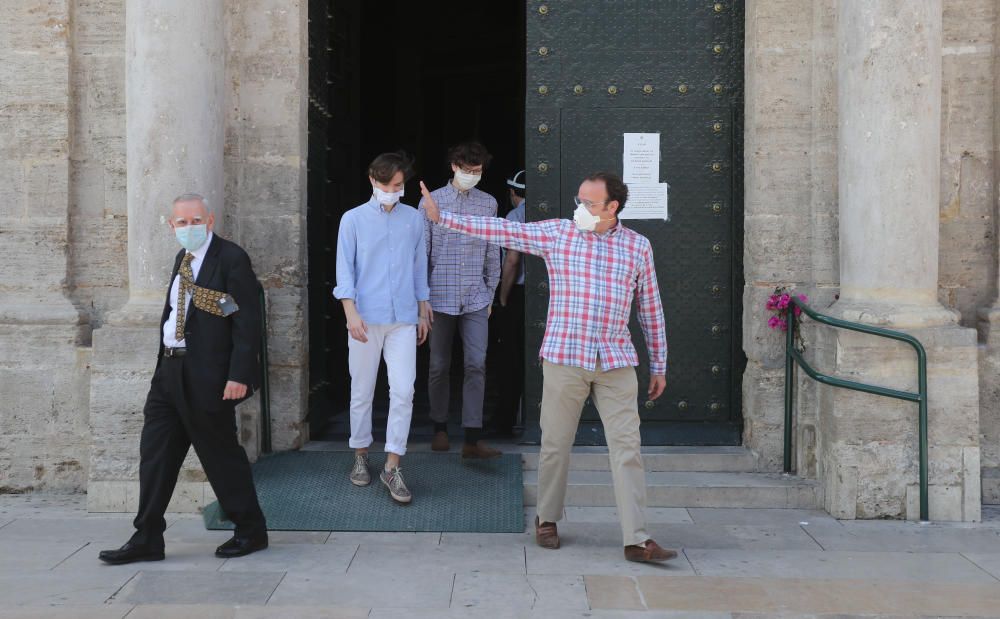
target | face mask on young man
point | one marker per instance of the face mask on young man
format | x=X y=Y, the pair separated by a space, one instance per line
x=387 y=198
x=466 y=181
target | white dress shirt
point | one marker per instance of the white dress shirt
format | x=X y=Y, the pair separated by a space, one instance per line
x=170 y=327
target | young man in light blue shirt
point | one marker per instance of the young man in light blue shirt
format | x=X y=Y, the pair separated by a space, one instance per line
x=382 y=283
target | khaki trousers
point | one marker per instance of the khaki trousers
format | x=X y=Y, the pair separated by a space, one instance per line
x=615 y=393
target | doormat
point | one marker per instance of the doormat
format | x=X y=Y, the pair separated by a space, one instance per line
x=310 y=491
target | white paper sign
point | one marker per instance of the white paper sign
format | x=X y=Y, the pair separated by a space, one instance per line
x=641 y=160
x=647 y=201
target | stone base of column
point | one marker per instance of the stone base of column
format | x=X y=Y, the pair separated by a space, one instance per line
x=44 y=371
x=989 y=401
x=868 y=445
x=123 y=497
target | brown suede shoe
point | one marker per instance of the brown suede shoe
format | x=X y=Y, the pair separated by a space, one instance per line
x=440 y=442
x=648 y=553
x=479 y=451
x=546 y=535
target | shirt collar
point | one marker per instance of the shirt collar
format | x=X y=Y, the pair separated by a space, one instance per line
x=607 y=234
x=375 y=204
x=456 y=192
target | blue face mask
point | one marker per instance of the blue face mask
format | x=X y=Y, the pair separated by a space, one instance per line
x=192 y=237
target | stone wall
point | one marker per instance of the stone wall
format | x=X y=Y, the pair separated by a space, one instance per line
x=968 y=264
x=791 y=202
x=989 y=330
x=98 y=231
x=43 y=369
x=265 y=170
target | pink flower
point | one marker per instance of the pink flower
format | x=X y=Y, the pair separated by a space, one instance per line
x=773 y=322
x=783 y=301
x=770 y=305
x=803 y=298
x=783 y=324
x=798 y=310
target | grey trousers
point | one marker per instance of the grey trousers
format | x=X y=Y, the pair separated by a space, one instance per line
x=474 y=331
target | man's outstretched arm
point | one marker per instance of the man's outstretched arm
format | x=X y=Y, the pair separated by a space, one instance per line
x=533 y=238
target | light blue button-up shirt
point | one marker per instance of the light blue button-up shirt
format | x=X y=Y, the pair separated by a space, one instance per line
x=382 y=262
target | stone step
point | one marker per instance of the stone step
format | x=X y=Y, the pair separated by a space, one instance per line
x=658 y=459
x=691 y=489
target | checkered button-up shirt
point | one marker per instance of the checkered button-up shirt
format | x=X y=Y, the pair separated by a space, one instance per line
x=463 y=271
x=592 y=280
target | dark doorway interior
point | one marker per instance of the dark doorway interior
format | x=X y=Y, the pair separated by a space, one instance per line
x=397 y=74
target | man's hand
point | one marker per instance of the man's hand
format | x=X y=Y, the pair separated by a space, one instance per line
x=656 y=386
x=234 y=391
x=357 y=327
x=430 y=206
x=423 y=328
x=426 y=312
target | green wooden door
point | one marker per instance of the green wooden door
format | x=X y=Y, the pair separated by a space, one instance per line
x=595 y=71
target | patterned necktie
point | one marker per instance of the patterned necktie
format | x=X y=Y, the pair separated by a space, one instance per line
x=187 y=278
x=205 y=299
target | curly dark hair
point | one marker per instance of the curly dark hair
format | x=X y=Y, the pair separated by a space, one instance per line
x=470 y=154
x=617 y=190
x=386 y=165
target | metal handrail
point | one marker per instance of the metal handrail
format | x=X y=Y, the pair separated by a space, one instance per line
x=793 y=356
x=265 y=376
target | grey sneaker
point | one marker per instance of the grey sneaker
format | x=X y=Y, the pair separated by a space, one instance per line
x=393 y=480
x=359 y=474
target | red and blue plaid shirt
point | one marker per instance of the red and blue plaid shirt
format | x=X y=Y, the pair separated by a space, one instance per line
x=592 y=280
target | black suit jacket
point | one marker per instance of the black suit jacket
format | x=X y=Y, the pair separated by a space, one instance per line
x=220 y=349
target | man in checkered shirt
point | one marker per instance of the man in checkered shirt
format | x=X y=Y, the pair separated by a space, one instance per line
x=596 y=266
x=464 y=273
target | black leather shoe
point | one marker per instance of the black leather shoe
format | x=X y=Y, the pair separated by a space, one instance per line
x=241 y=546
x=129 y=553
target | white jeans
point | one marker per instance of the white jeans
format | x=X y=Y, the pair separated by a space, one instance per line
x=398 y=344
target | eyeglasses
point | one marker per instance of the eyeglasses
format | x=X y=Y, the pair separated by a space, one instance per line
x=587 y=203
x=476 y=170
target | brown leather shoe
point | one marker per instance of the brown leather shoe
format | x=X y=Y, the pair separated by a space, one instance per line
x=479 y=451
x=648 y=553
x=546 y=535
x=440 y=442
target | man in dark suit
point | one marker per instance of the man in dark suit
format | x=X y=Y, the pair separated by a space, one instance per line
x=207 y=364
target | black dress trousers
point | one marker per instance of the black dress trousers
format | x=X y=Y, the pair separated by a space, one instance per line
x=170 y=426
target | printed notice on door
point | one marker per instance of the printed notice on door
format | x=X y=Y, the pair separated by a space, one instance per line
x=647 y=201
x=641 y=161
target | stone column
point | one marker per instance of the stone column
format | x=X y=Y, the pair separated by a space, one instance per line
x=889 y=99
x=175 y=77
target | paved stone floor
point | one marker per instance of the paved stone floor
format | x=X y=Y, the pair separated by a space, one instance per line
x=744 y=563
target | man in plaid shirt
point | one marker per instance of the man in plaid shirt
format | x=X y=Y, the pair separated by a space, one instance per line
x=464 y=273
x=596 y=266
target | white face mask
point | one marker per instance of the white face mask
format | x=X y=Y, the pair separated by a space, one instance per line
x=585 y=220
x=387 y=198
x=466 y=181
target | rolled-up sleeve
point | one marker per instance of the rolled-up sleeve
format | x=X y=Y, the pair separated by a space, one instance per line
x=347 y=244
